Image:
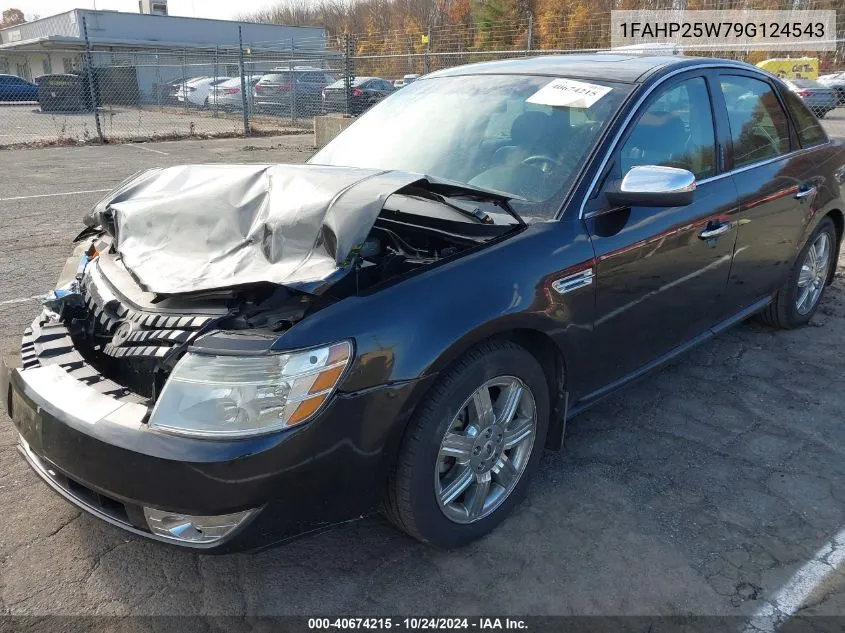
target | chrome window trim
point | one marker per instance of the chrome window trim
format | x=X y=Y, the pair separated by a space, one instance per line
x=635 y=109
x=761 y=163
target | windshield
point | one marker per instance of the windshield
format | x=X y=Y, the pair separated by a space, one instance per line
x=495 y=132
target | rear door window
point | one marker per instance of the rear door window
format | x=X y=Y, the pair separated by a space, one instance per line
x=809 y=129
x=759 y=127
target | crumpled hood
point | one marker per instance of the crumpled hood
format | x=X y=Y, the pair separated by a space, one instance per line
x=202 y=227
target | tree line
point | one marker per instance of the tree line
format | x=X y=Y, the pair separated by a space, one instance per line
x=385 y=27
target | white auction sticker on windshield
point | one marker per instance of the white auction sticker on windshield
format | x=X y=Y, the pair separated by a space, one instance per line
x=568 y=92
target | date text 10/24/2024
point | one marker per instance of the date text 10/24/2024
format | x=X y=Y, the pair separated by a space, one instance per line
x=418 y=624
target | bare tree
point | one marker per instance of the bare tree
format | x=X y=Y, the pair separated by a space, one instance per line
x=331 y=14
x=11 y=17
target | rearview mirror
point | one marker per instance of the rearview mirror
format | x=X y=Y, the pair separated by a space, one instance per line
x=653 y=186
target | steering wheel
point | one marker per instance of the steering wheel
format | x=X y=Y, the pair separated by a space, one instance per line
x=547 y=161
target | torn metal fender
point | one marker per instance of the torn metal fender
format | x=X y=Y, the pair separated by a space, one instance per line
x=202 y=227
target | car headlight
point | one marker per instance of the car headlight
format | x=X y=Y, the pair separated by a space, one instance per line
x=238 y=396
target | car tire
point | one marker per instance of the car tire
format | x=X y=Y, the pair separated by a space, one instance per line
x=784 y=312
x=416 y=499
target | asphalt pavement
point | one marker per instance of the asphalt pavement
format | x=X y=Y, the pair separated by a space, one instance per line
x=712 y=487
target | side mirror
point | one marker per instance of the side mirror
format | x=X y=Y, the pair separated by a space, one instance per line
x=653 y=186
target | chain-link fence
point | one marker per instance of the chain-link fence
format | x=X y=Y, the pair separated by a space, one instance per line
x=78 y=92
x=81 y=93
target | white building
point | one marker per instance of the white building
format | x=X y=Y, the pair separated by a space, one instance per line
x=158 y=47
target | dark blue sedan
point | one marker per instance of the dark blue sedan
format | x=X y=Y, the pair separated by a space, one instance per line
x=351 y=335
x=14 y=88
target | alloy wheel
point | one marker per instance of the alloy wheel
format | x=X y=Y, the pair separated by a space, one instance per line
x=485 y=449
x=813 y=274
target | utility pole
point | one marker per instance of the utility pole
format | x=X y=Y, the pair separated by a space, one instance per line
x=89 y=74
x=244 y=99
x=426 y=62
x=530 y=37
x=348 y=71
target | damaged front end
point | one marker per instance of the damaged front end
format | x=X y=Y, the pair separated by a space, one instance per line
x=167 y=330
x=174 y=254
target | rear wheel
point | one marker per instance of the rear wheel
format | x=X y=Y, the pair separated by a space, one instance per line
x=471 y=447
x=798 y=299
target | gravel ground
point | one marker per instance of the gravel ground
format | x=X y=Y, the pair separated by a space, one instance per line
x=26 y=124
x=701 y=490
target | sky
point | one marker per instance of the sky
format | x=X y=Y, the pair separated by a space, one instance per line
x=221 y=9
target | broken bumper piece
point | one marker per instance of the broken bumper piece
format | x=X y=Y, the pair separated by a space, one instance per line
x=88 y=439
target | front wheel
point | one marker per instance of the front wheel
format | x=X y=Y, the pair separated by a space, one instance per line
x=471 y=447
x=798 y=298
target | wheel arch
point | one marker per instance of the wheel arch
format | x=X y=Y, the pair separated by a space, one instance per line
x=546 y=351
x=553 y=362
x=839 y=224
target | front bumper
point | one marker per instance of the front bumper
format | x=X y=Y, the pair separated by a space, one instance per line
x=327 y=471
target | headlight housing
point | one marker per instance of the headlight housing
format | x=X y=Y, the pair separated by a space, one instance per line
x=240 y=396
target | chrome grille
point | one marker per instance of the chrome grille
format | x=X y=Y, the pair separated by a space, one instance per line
x=132 y=333
x=48 y=342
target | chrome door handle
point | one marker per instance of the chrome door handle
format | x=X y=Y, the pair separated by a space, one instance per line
x=805 y=193
x=706 y=234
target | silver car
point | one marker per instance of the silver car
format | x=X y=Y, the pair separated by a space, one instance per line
x=227 y=95
x=197 y=91
x=819 y=98
x=835 y=81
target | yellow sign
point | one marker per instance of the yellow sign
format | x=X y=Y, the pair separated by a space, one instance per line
x=792 y=67
x=424 y=38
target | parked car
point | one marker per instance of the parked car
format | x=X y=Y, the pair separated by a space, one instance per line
x=197 y=91
x=277 y=90
x=64 y=92
x=351 y=334
x=836 y=81
x=227 y=95
x=398 y=83
x=164 y=92
x=819 y=98
x=13 y=88
x=408 y=79
x=365 y=93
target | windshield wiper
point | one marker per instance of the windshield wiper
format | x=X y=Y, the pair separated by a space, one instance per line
x=475 y=213
x=501 y=200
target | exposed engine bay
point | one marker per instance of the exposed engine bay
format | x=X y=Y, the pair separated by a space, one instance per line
x=134 y=337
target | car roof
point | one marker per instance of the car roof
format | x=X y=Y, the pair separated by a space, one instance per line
x=607 y=66
x=295 y=69
x=356 y=81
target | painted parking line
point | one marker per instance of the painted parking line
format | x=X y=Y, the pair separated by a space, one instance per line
x=54 y=195
x=805 y=583
x=148 y=149
x=21 y=300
